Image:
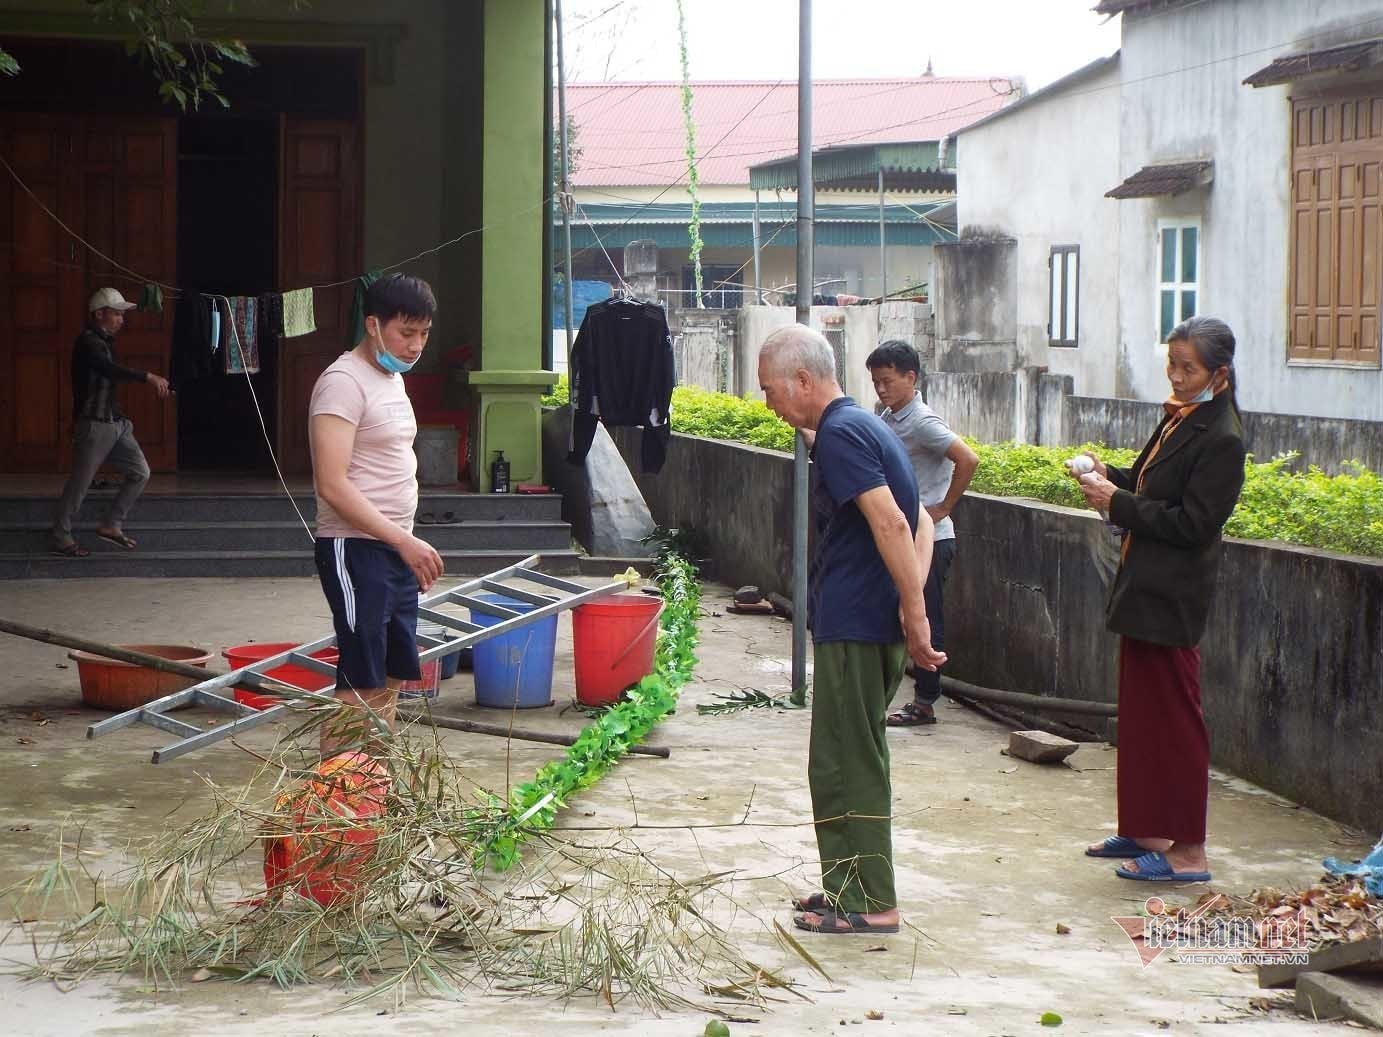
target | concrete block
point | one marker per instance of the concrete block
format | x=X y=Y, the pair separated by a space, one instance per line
x=1333 y=957
x=1323 y=997
x=1040 y=747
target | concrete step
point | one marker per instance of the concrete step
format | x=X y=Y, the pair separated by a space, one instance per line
x=241 y=564
x=264 y=507
x=258 y=537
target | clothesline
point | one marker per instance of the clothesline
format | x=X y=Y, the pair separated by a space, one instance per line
x=175 y=291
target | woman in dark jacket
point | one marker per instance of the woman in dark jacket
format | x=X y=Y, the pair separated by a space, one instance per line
x=1172 y=504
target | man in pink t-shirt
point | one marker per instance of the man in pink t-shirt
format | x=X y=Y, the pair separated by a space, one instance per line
x=371 y=565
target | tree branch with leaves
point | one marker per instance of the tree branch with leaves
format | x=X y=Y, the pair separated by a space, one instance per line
x=163 y=36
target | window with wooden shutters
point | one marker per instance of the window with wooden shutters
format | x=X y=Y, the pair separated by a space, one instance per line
x=1337 y=224
x=1063 y=267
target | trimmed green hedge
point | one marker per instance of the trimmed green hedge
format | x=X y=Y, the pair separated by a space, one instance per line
x=1335 y=512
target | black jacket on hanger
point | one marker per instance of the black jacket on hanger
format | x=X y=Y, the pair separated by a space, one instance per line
x=192 y=355
x=622 y=374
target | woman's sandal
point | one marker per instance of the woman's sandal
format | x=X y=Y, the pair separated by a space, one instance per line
x=72 y=550
x=119 y=540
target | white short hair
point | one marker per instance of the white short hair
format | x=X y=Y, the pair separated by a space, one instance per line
x=799 y=348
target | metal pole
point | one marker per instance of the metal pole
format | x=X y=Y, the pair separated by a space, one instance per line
x=883 y=260
x=565 y=199
x=758 y=292
x=805 y=280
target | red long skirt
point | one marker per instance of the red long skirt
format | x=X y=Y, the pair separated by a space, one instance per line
x=1164 y=748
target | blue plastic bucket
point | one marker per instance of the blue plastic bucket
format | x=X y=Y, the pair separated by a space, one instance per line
x=514 y=670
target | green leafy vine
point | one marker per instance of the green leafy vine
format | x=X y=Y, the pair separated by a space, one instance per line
x=693 y=180
x=533 y=806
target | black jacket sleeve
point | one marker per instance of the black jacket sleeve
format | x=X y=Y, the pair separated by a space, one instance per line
x=1205 y=505
x=98 y=358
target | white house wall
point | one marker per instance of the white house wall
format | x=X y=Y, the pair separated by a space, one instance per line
x=1206 y=112
x=1038 y=175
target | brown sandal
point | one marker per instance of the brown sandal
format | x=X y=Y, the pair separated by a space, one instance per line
x=912 y=715
x=72 y=550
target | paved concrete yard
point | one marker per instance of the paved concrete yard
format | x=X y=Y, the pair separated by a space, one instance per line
x=988 y=849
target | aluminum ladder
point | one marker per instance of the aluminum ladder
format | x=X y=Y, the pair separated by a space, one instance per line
x=560 y=596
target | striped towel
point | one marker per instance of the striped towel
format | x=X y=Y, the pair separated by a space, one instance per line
x=242 y=356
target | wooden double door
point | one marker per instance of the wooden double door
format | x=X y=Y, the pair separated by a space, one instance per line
x=98 y=206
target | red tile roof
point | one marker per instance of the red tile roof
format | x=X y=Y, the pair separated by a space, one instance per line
x=632 y=133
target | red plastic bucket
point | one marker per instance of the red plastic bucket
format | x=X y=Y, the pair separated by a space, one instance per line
x=329 y=838
x=426 y=687
x=299 y=676
x=613 y=641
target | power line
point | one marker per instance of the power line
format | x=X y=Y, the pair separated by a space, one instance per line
x=174 y=290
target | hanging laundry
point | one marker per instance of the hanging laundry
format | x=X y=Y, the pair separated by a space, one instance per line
x=298 y=315
x=355 y=329
x=622 y=373
x=215 y=325
x=243 y=355
x=151 y=299
x=223 y=307
x=192 y=335
x=270 y=311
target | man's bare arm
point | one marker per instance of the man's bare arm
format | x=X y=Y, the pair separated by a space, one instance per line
x=894 y=538
x=965 y=461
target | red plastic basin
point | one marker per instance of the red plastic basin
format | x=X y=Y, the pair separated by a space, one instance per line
x=241 y=656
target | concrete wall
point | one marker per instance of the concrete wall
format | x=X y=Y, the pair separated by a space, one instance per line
x=1245 y=214
x=1037 y=174
x=858 y=329
x=1327 y=443
x=1293 y=657
x=704 y=347
x=976 y=309
x=1030 y=406
x=739 y=496
x=1293 y=654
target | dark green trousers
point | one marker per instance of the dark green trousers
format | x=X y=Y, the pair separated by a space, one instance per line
x=847 y=769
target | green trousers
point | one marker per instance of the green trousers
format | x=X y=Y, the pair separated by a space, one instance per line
x=847 y=769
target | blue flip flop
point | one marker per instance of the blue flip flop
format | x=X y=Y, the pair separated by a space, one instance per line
x=1154 y=867
x=1118 y=846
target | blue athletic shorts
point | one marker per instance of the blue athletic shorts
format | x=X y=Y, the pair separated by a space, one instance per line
x=374 y=605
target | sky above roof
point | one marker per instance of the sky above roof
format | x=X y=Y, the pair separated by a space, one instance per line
x=1039 y=40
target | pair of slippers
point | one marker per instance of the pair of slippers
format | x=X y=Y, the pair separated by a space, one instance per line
x=1153 y=866
x=830 y=918
x=76 y=550
x=447 y=518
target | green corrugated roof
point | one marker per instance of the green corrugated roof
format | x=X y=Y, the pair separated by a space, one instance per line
x=908 y=166
x=729 y=224
x=729 y=235
x=772 y=211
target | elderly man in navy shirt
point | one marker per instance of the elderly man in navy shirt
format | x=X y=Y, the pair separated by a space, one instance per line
x=867 y=615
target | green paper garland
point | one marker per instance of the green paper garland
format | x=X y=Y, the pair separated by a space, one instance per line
x=533 y=806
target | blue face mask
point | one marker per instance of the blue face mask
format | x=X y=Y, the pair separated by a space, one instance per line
x=388 y=361
x=391 y=363
x=1204 y=396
